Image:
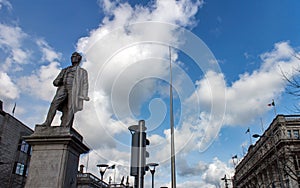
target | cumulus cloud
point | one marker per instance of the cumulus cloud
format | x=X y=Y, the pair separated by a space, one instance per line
x=39 y=84
x=11 y=38
x=214 y=171
x=18 y=50
x=42 y=78
x=271 y=85
x=197 y=174
x=186 y=169
x=123 y=71
x=48 y=53
x=6 y=4
x=246 y=98
x=118 y=65
x=9 y=89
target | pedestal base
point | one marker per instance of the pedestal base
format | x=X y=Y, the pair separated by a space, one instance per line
x=55 y=157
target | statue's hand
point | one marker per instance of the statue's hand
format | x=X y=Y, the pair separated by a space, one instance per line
x=84 y=98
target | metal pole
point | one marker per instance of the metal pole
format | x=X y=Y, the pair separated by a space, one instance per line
x=172 y=127
x=152 y=172
x=140 y=174
x=226 y=184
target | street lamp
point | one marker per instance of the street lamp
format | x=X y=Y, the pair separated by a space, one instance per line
x=152 y=170
x=225 y=179
x=276 y=155
x=102 y=169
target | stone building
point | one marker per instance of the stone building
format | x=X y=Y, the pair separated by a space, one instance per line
x=274 y=160
x=14 y=151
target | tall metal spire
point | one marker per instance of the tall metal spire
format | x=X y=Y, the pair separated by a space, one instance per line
x=172 y=127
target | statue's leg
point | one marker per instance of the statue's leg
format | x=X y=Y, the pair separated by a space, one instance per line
x=64 y=111
x=55 y=104
x=65 y=117
x=70 y=120
x=68 y=113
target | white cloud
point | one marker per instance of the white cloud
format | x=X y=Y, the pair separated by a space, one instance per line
x=9 y=90
x=247 y=97
x=195 y=184
x=11 y=38
x=6 y=4
x=39 y=84
x=124 y=76
x=49 y=55
x=215 y=171
x=120 y=83
x=185 y=169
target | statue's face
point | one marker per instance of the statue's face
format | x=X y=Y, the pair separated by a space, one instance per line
x=75 y=59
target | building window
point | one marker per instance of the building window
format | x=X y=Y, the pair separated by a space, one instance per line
x=20 y=169
x=289 y=133
x=296 y=134
x=25 y=147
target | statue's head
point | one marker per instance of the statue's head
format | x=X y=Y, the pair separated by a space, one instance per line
x=76 y=58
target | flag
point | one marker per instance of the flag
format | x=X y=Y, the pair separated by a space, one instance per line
x=272 y=103
x=14 y=108
x=248 y=131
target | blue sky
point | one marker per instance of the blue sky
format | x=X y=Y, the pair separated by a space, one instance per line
x=242 y=47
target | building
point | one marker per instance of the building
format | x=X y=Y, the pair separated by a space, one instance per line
x=274 y=160
x=14 y=151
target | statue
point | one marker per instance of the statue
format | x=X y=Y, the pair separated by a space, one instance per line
x=72 y=83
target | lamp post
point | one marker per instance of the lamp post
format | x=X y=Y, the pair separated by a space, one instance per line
x=152 y=170
x=102 y=169
x=225 y=179
x=276 y=155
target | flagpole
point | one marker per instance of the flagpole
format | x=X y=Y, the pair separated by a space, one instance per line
x=13 y=110
x=172 y=127
x=243 y=150
x=262 y=125
x=250 y=137
x=273 y=103
x=248 y=131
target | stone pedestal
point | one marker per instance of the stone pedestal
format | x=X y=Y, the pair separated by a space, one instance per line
x=55 y=157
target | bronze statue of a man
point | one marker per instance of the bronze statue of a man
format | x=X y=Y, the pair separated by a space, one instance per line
x=72 y=83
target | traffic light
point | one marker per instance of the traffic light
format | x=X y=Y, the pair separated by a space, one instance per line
x=134 y=154
x=145 y=153
x=138 y=150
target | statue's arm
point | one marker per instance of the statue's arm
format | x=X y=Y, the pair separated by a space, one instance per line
x=59 y=79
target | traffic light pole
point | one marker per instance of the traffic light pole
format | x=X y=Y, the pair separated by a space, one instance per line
x=140 y=173
x=138 y=153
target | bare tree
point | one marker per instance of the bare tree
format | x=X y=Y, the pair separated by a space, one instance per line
x=293 y=83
